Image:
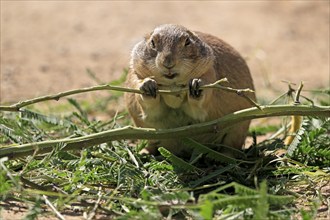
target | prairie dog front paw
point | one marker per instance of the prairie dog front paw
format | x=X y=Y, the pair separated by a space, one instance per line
x=194 y=88
x=149 y=87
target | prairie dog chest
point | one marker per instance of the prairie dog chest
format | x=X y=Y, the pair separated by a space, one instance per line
x=174 y=111
x=174 y=101
x=167 y=117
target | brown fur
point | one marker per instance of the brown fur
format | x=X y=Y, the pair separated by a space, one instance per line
x=173 y=49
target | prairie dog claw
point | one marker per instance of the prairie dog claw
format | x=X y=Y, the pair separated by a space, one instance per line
x=194 y=88
x=149 y=87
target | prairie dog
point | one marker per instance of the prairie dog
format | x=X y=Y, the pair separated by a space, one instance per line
x=173 y=56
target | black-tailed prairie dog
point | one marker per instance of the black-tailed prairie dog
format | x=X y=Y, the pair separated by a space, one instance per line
x=172 y=56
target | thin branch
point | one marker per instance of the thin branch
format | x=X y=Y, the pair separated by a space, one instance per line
x=58 y=214
x=240 y=92
x=56 y=97
x=92 y=214
x=130 y=132
x=278 y=98
x=215 y=85
x=297 y=96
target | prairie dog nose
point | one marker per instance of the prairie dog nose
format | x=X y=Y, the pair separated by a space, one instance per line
x=168 y=61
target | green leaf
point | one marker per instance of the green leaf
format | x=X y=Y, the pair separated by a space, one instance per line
x=177 y=162
x=206 y=210
x=262 y=207
x=212 y=175
x=208 y=152
x=27 y=114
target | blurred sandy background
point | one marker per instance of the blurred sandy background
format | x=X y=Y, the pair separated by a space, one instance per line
x=46 y=46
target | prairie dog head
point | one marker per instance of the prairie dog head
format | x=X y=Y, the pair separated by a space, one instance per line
x=171 y=55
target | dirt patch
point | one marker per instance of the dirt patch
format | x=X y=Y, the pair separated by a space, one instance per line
x=47 y=46
x=15 y=210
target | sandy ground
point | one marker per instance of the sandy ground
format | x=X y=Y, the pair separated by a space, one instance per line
x=46 y=46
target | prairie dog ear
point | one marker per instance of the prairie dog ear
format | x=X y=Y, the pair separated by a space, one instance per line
x=147 y=36
x=192 y=34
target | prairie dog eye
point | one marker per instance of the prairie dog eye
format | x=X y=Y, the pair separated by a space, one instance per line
x=187 y=42
x=152 y=44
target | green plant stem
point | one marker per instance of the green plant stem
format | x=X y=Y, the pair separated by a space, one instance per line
x=130 y=132
x=56 y=97
x=215 y=85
